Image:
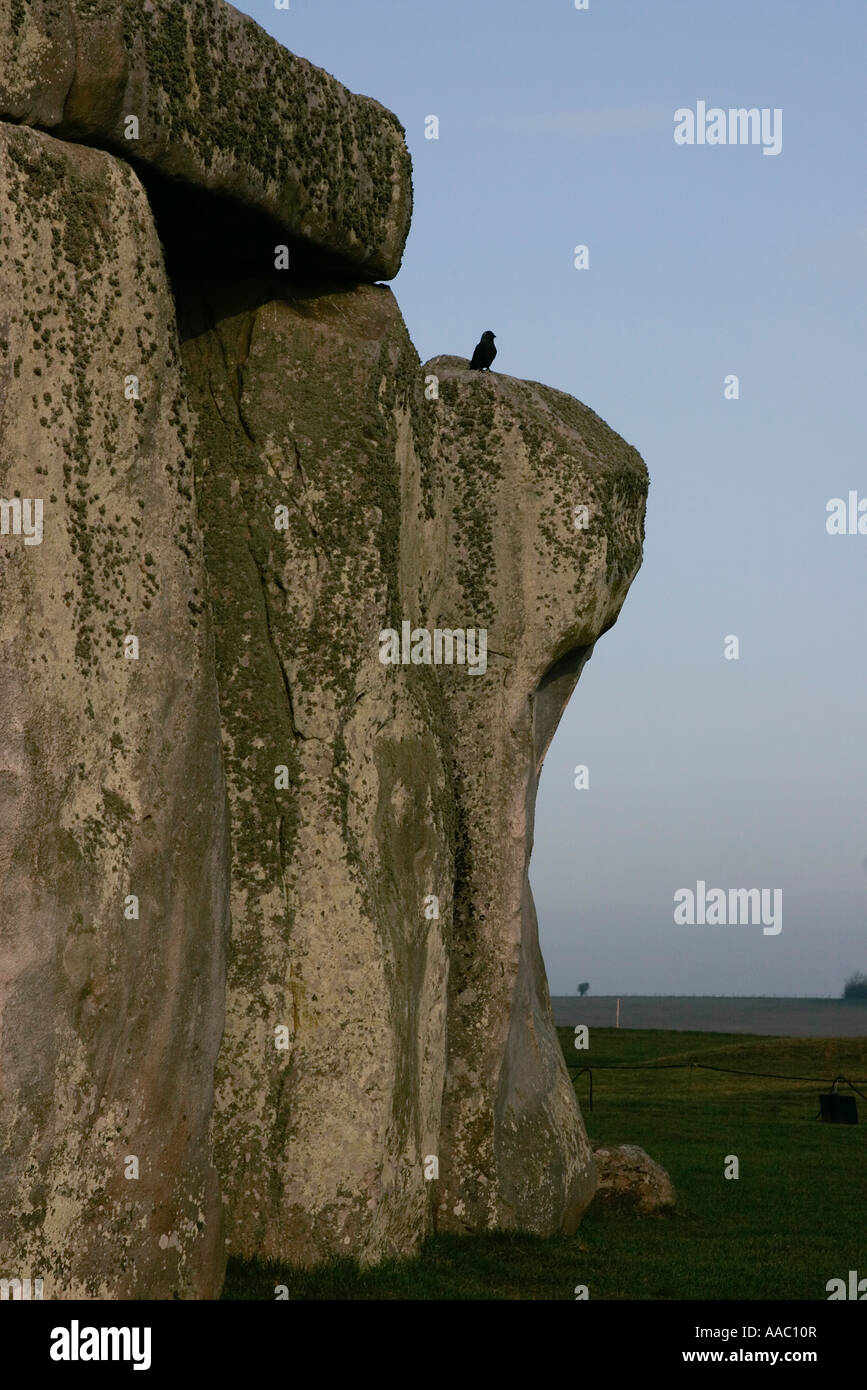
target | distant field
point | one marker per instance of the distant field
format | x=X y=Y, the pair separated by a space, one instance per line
x=780 y=1018
x=791 y=1221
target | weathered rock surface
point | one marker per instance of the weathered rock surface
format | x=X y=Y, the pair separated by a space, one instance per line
x=110 y=776
x=630 y=1177
x=294 y=489
x=220 y=106
x=305 y=406
x=453 y=513
x=512 y=461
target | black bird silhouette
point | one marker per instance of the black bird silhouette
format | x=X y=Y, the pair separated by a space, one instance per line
x=484 y=353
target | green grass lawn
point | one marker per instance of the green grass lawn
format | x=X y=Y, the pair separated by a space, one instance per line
x=795 y=1218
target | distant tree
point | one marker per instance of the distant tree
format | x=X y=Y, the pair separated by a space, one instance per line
x=855 y=987
x=583 y=988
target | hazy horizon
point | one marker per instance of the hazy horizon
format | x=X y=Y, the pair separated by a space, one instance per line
x=666 y=994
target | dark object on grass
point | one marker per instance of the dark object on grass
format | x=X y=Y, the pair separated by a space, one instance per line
x=484 y=353
x=835 y=1109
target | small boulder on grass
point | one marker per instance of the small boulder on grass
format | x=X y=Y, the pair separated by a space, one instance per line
x=628 y=1177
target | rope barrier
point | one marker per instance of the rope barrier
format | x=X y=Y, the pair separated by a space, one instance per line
x=706 y=1066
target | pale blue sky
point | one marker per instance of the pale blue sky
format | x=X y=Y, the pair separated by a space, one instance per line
x=556 y=128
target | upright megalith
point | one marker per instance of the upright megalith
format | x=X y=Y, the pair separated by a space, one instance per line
x=113 y=851
x=536 y=535
x=331 y=1072
x=199 y=93
x=340 y=504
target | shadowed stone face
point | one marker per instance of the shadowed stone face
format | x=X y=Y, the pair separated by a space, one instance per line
x=111 y=785
x=306 y=405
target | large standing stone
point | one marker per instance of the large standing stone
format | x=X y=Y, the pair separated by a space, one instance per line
x=506 y=550
x=340 y=795
x=110 y=776
x=399 y=782
x=221 y=106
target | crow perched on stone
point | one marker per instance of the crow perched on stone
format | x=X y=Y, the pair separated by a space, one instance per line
x=484 y=353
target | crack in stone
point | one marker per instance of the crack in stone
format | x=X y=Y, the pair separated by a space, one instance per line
x=274 y=648
x=234 y=375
